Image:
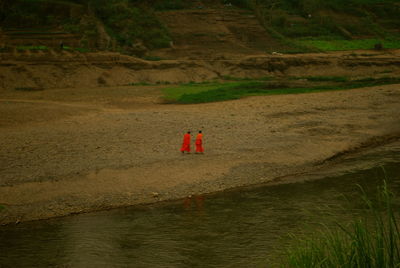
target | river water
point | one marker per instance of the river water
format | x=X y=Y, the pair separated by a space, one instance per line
x=241 y=228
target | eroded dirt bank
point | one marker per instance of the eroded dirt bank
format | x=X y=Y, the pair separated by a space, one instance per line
x=110 y=147
x=62 y=69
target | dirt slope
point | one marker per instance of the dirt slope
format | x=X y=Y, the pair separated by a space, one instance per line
x=56 y=69
x=221 y=32
x=39 y=37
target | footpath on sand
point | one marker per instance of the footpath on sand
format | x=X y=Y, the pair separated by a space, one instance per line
x=104 y=158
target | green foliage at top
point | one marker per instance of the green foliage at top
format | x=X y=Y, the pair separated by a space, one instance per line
x=321 y=20
x=169 y=4
x=31 y=13
x=128 y=21
x=300 y=25
x=239 y=3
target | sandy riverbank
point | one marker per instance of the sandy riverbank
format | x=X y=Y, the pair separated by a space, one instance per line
x=60 y=154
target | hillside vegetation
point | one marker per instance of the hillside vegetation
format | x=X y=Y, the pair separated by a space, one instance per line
x=134 y=26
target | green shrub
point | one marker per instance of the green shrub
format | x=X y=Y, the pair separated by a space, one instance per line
x=239 y=3
x=128 y=23
x=23 y=48
x=71 y=27
x=28 y=13
x=279 y=21
x=169 y=5
x=372 y=241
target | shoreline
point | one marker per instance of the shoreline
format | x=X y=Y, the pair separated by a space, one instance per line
x=73 y=165
x=284 y=179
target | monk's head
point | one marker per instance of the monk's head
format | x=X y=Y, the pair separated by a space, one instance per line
x=199 y=131
x=188 y=132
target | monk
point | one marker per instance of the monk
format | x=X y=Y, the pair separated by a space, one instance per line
x=199 y=143
x=186 y=143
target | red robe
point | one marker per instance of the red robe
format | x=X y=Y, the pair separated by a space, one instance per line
x=186 y=143
x=199 y=143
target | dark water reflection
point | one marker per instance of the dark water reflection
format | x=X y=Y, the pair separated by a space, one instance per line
x=246 y=228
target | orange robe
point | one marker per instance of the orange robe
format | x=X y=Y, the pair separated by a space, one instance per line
x=186 y=143
x=199 y=143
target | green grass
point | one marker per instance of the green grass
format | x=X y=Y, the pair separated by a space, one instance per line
x=175 y=93
x=213 y=92
x=337 y=45
x=82 y=49
x=233 y=78
x=79 y=49
x=315 y=25
x=2 y=207
x=43 y=48
x=371 y=241
x=378 y=81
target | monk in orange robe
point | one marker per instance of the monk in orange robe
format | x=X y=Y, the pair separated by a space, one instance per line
x=186 y=143
x=199 y=143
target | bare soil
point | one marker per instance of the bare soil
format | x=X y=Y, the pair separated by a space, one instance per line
x=220 y=32
x=81 y=149
x=61 y=69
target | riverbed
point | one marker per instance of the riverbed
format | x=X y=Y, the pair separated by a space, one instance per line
x=61 y=154
x=246 y=227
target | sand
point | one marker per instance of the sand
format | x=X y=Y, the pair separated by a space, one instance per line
x=65 y=151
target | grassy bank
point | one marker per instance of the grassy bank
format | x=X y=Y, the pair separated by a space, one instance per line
x=336 y=45
x=372 y=241
x=221 y=91
x=312 y=25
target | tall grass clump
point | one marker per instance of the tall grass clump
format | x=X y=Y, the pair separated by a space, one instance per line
x=372 y=241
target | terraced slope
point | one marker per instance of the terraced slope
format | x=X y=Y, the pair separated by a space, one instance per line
x=39 y=37
x=215 y=33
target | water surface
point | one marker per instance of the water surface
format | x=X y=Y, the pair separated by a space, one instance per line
x=241 y=228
